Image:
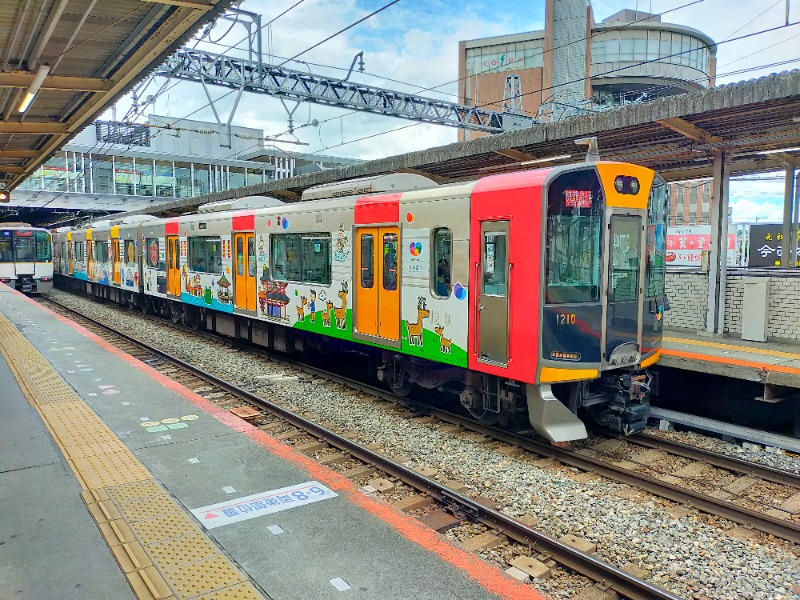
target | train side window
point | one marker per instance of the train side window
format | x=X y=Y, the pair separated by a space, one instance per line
x=43 y=249
x=78 y=251
x=5 y=250
x=316 y=259
x=286 y=254
x=205 y=255
x=442 y=264
x=101 y=251
x=304 y=257
x=367 y=260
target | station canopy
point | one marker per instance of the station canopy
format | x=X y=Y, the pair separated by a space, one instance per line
x=75 y=58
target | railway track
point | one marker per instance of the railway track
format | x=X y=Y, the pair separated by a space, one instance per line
x=272 y=417
x=230 y=396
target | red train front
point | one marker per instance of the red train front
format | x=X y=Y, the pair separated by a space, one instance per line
x=565 y=275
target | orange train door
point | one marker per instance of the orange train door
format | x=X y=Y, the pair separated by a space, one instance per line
x=89 y=257
x=244 y=278
x=115 y=259
x=173 y=266
x=377 y=294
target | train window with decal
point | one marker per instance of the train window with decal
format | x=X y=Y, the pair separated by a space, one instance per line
x=130 y=253
x=316 y=258
x=152 y=254
x=573 y=234
x=205 y=255
x=655 y=265
x=78 y=252
x=43 y=248
x=24 y=248
x=442 y=263
x=6 y=255
x=367 y=260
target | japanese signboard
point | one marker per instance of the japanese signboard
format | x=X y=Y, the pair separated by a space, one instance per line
x=766 y=245
x=685 y=245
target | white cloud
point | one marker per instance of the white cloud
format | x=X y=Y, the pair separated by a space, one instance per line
x=759 y=200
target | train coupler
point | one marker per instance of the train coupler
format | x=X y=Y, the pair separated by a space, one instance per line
x=628 y=411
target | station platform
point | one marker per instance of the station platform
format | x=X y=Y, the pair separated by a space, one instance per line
x=769 y=363
x=117 y=482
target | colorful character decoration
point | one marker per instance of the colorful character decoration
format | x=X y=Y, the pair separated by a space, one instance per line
x=340 y=255
x=301 y=310
x=326 y=315
x=312 y=304
x=444 y=343
x=341 y=312
x=274 y=296
x=415 y=329
x=223 y=290
x=196 y=289
x=262 y=255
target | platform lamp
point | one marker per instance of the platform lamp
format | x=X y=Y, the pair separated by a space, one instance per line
x=5 y=195
x=33 y=88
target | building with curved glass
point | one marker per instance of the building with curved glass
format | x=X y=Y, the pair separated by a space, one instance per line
x=576 y=65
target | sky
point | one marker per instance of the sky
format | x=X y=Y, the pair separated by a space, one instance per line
x=412 y=46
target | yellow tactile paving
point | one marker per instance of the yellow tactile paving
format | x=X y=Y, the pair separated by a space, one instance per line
x=162 y=552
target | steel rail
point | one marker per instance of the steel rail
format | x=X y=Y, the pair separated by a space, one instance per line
x=586 y=564
x=772 y=525
x=731 y=463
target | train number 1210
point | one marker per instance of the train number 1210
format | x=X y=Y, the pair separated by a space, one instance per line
x=566 y=319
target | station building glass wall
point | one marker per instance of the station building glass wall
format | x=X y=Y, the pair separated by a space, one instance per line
x=105 y=174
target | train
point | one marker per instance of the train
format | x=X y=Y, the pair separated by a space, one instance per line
x=26 y=257
x=534 y=293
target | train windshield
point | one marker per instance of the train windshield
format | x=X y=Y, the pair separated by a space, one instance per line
x=24 y=246
x=43 y=247
x=574 y=223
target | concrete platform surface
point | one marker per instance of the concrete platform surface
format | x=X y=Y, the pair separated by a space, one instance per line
x=215 y=464
x=765 y=362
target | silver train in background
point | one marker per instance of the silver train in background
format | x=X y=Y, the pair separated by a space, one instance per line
x=26 y=257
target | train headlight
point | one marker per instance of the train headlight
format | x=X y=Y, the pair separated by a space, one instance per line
x=625 y=184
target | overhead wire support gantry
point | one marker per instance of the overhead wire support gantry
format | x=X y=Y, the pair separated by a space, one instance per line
x=255 y=76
